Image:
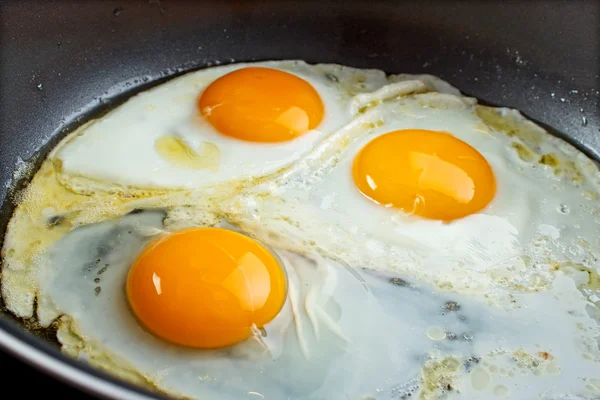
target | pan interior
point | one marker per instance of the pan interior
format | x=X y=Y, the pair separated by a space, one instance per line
x=68 y=76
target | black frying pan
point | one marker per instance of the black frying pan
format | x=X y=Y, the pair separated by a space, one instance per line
x=64 y=61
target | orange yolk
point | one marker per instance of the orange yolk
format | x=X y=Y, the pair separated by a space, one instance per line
x=261 y=105
x=426 y=173
x=205 y=287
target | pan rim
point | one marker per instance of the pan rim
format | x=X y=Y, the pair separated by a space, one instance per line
x=75 y=373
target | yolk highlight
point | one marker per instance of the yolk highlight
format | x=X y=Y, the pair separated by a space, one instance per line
x=426 y=173
x=205 y=287
x=261 y=105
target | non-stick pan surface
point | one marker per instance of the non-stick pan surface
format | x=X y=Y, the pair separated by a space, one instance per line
x=64 y=61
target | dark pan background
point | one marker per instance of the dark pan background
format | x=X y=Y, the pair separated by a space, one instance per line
x=13 y=370
x=63 y=61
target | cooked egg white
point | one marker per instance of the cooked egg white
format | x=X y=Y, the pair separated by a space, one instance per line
x=343 y=332
x=540 y=216
x=159 y=139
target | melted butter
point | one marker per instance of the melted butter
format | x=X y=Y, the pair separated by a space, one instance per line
x=593 y=279
x=532 y=137
x=568 y=170
x=29 y=233
x=439 y=374
x=368 y=106
x=493 y=117
x=179 y=154
x=523 y=152
x=550 y=160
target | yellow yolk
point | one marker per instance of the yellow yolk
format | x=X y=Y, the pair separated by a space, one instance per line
x=426 y=173
x=205 y=287
x=261 y=105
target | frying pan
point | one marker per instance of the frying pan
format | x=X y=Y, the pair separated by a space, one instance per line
x=64 y=61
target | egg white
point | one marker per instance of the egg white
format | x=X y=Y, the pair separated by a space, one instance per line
x=120 y=148
x=535 y=219
x=342 y=332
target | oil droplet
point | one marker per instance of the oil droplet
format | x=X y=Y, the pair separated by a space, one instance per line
x=501 y=391
x=480 y=379
x=436 y=333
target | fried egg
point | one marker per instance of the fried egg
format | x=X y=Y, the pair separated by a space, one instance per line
x=281 y=230
x=341 y=333
x=423 y=180
x=213 y=126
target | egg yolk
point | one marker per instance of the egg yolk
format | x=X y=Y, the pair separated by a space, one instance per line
x=426 y=173
x=205 y=287
x=261 y=105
